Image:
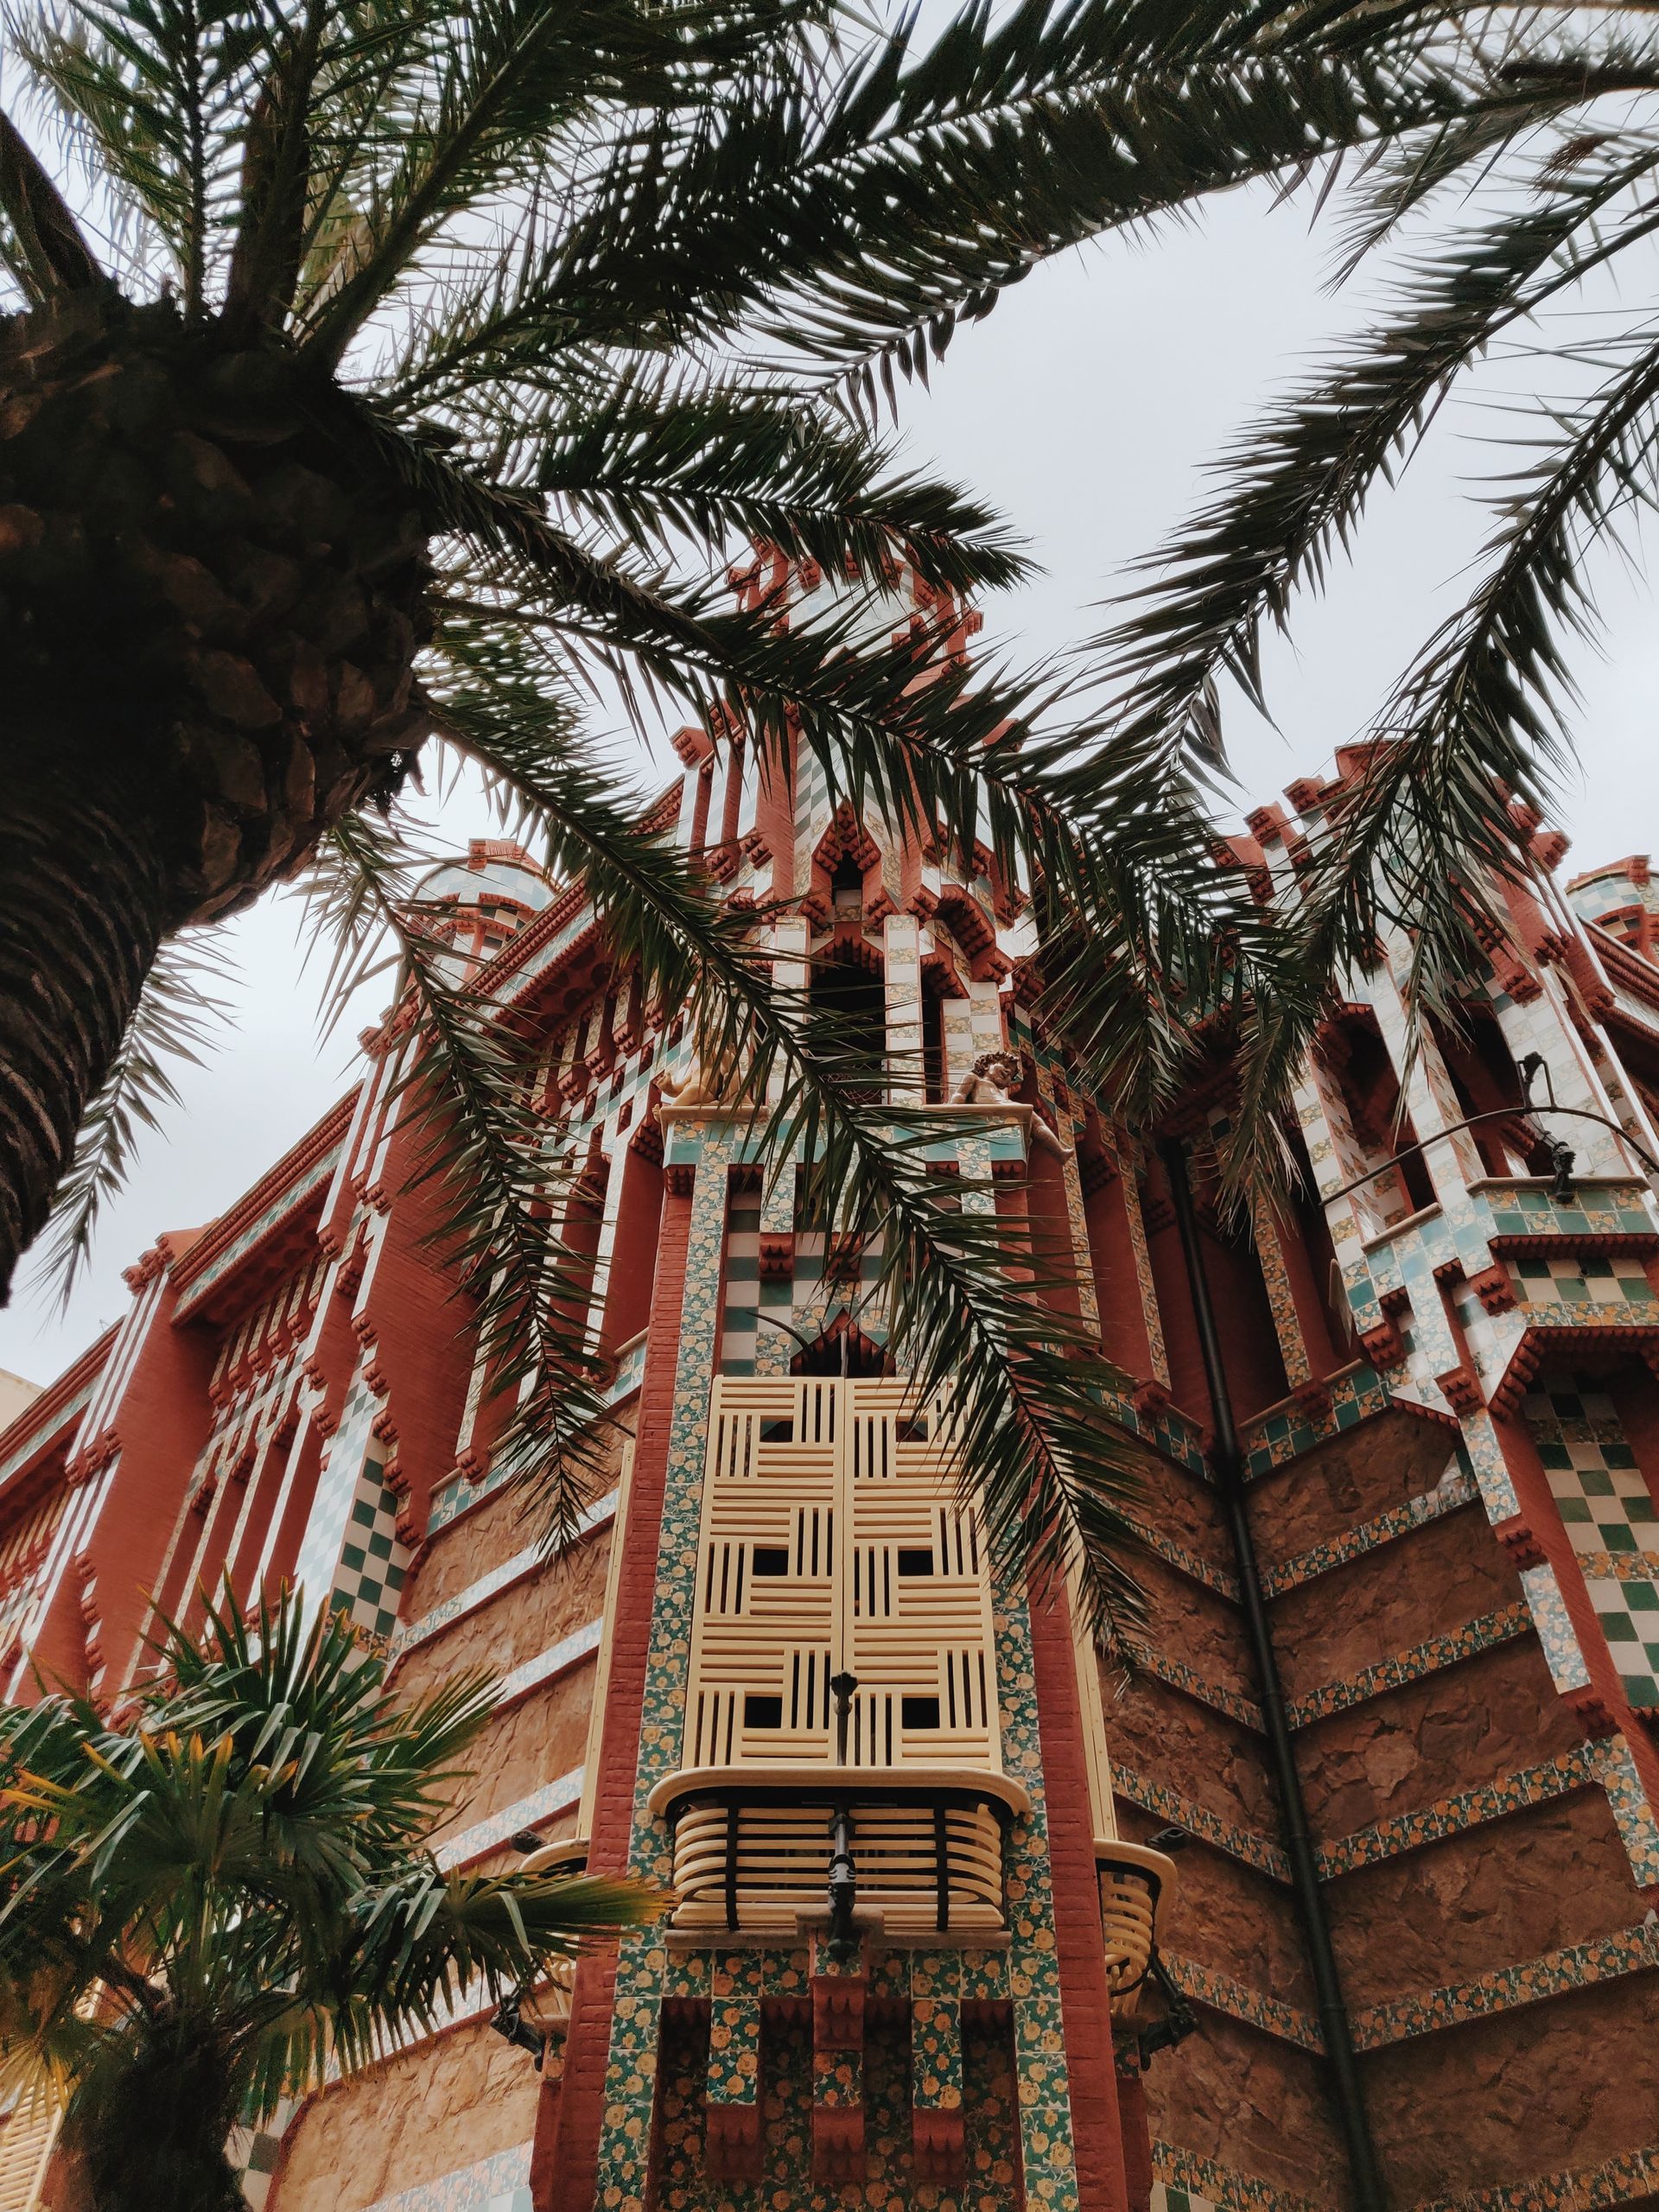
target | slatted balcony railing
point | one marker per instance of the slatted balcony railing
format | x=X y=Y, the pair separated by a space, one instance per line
x=752 y=1858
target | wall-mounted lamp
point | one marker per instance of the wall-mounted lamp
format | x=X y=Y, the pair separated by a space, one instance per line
x=509 y=2022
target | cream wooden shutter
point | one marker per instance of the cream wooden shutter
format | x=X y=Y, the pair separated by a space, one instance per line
x=833 y=1540
x=26 y=2139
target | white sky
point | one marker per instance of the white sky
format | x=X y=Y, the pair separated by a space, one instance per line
x=1083 y=409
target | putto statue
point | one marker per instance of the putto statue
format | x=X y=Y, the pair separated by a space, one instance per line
x=992 y=1081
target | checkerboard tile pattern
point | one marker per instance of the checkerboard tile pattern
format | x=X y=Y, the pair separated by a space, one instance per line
x=373 y=1560
x=1611 y=1521
x=1580 y=1279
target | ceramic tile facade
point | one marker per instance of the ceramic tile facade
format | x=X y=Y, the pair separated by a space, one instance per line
x=1278 y=1436
x=1607 y=1510
x=1147 y=1659
x=1190 y=1563
x=1578 y=1768
x=1194 y=2184
x=1241 y=1843
x=1223 y=1994
x=646 y=1972
x=1579 y=1966
x=373 y=1561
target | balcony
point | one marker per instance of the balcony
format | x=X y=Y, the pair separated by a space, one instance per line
x=908 y=1854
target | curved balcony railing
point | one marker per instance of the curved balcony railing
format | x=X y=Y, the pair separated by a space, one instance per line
x=926 y=1848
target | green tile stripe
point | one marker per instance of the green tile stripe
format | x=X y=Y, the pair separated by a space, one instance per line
x=1506 y=1989
x=1621 y=2180
x=1189 y=1563
x=1633 y=1812
x=1618 y=1566
x=1183 y=2174
x=1468 y=1808
x=1242 y=1844
x=1223 y=1994
x=1449 y=1496
x=1176 y=1674
x=1484 y=1634
x=1402 y=2019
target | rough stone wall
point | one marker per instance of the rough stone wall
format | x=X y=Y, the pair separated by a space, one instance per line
x=445 y=2104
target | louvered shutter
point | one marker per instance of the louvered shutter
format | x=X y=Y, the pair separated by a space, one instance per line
x=833 y=1540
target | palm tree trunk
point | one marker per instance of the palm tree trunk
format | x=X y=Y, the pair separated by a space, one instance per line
x=83 y=885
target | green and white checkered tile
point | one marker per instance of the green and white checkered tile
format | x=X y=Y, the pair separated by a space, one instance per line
x=1581 y=1279
x=1607 y=1510
x=373 y=1560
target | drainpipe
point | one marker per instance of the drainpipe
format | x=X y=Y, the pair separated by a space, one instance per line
x=1228 y=1464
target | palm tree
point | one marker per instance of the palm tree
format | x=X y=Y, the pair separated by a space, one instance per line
x=216 y=1899
x=1499 y=225
x=402 y=368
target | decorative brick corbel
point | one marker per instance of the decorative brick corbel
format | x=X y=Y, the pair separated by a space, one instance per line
x=1383 y=1344
x=938 y=2144
x=777 y=1256
x=732 y=2148
x=1492 y=1286
x=1519 y=1541
x=1313 y=1399
x=1461 y=1388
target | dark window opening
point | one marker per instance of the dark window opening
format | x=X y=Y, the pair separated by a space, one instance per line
x=918 y=1711
x=1370 y=1092
x=768 y=1711
x=778 y=1431
x=846 y=885
x=912 y=1562
x=862 y=1357
x=769 y=1559
x=933 y=1047
x=913 y=1431
x=848 y=1025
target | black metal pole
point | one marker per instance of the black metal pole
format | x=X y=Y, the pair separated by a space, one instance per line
x=1228 y=1463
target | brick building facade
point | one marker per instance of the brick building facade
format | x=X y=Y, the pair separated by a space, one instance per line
x=1444 y=1381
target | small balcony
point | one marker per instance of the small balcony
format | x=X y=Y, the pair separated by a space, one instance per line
x=910 y=1854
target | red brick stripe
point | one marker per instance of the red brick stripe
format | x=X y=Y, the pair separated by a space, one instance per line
x=565 y=2168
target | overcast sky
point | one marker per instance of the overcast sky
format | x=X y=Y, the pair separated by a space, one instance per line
x=1085 y=409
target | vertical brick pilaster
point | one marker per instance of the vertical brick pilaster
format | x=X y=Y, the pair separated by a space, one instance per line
x=567 y=2151
x=1085 y=2001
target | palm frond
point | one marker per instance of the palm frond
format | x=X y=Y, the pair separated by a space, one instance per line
x=46 y=251
x=497 y=1186
x=177 y=1014
x=965 y=1287
x=1295 y=485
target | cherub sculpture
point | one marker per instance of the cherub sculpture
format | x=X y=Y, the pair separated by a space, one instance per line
x=992 y=1081
x=723 y=1086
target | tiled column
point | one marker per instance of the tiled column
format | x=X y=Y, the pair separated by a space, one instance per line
x=1123 y=1153
x=985 y=1020
x=956 y=1027
x=733 y=2142
x=1077 y=1220
x=902 y=943
x=938 y=2138
x=1293 y=1346
x=774 y=1348
x=839 y=1988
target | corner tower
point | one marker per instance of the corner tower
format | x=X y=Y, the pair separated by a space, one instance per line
x=868 y=1766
